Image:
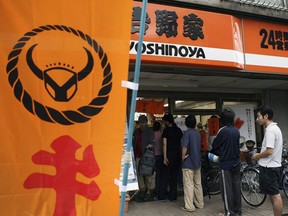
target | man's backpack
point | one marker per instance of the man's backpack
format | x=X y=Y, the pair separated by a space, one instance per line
x=147 y=163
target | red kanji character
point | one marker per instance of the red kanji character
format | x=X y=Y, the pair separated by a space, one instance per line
x=64 y=182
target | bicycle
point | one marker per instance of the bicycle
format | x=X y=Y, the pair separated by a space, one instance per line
x=249 y=185
x=250 y=188
x=210 y=177
x=284 y=178
x=249 y=179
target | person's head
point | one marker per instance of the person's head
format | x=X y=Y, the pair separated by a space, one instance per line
x=190 y=121
x=156 y=126
x=264 y=115
x=142 y=120
x=227 y=118
x=168 y=119
x=199 y=126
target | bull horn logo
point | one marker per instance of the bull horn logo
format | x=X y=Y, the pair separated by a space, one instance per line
x=61 y=87
x=66 y=90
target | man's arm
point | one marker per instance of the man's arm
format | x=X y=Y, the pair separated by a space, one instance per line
x=165 y=161
x=217 y=143
x=184 y=152
x=263 y=154
x=151 y=144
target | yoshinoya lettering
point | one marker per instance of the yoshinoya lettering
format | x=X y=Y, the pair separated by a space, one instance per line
x=170 y=50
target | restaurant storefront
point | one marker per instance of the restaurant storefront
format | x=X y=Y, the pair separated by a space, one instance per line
x=188 y=47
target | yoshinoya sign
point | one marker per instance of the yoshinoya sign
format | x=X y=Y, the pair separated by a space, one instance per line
x=175 y=35
x=170 y=50
x=187 y=36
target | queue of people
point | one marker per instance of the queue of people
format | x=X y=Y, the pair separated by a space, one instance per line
x=173 y=150
x=168 y=145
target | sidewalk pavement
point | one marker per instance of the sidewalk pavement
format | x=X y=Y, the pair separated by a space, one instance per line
x=213 y=207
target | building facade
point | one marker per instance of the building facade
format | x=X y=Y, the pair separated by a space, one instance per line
x=202 y=55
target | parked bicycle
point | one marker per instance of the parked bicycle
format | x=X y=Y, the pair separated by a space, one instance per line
x=284 y=178
x=210 y=177
x=250 y=186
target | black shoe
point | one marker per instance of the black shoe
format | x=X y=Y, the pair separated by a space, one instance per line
x=146 y=197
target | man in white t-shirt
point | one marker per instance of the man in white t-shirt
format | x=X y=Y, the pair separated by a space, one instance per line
x=270 y=158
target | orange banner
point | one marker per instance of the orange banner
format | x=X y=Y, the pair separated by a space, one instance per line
x=62 y=63
x=266 y=46
x=188 y=36
x=150 y=106
x=213 y=125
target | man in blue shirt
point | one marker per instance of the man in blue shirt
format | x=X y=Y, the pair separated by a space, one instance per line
x=191 y=166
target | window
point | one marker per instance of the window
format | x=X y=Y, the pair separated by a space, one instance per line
x=238 y=103
x=192 y=104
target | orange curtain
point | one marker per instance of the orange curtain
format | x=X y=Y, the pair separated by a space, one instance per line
x=213 y=126
x=204 y=142
x=150 y=106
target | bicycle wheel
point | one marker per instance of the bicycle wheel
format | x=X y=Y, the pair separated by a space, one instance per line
x=285 y=183
x=250 y=188
x=212 y=179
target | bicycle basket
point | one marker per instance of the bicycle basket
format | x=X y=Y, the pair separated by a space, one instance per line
x=250 y=144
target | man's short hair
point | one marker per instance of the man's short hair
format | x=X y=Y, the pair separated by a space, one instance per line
x=227 y=118
x=142 y=119
x=265 y=110
x=190 y=121
x=169 y=118
x=156 y=126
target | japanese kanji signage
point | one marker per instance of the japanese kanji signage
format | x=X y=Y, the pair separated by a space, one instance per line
x=61 y=64
x=192 y=37
x=188 y=36
x=266 y=46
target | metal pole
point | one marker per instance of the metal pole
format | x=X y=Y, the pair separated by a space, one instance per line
x=133 y=106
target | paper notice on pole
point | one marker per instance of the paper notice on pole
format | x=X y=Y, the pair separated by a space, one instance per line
x=132 y=181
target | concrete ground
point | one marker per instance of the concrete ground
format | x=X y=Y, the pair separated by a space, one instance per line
x=213 y=206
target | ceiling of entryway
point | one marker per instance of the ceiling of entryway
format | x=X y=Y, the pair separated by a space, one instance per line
x=172 y=78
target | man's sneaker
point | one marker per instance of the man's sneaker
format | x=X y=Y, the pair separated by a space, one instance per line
x=185 y=209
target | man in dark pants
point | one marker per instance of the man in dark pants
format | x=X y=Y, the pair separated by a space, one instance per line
x=172 y=157
x=158 y=151
x=226 y=146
